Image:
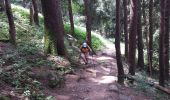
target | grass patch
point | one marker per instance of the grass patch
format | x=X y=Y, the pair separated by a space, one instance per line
x=80 y=35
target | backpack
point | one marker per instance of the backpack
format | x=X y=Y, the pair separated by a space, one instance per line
x=84 y=49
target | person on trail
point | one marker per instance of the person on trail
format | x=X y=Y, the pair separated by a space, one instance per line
x=85 y=50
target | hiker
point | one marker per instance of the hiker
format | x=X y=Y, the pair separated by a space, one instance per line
x=85 y=50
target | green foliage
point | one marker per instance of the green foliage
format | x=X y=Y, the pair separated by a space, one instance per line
x=80 y=35
x=27 y=49
x=96 y=43
x=4 y=97
x=3 y=26
x=37 y=96
x=77 y=8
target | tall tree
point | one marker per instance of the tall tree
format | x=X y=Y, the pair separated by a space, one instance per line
x=54 y=28
x=145 y=32
x=132 y=36
x=125 y=27
x=166 y=39
x=117 y=44
x=35 y=14
x=71 y=16
x=150 y=35
x=12 y=31
x=31 y=14
x=140 y=36
x=2 y=8
x=161 y=45
x=88 y=21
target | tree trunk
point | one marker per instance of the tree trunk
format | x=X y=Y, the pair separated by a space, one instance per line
x=117 y=44
x=140 y=40
x=2 y=6
x=166 y=39
x=145 y=32
x=12 y=31
x=31 y=14
x=36 y=20
x=132 y=37
x=88 y=21
x=54 y=28
x=150 y=36
x=161 y=45
x=126 y=29
x=71 y=16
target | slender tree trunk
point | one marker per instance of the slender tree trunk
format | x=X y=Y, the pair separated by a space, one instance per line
x=117 y=44
x=150 y=35
x=161 y=45
x=145 y=32
x=60 y=36
x=2 y=6
x=71 y=16
x=31 y=14
x=166 y=39
x=12 y=31
x=132 y=37
x=54 y=28
x=140 y=36
x=88 y=21
x=36 y=20
x=126 y=28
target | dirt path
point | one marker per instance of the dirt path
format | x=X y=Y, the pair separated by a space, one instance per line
x=96 y=81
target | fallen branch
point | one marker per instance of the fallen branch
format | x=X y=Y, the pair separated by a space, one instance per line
x=162 y=88
x=154 y=84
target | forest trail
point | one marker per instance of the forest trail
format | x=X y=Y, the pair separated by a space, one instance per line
x=96 y=81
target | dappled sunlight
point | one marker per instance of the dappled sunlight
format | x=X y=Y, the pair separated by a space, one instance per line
x=113 y=63
x=106 y=69
x=104 y=79
x=107 y=43
x=63 y=97
x=108 y=79
x=104 y=58
x=58 y=60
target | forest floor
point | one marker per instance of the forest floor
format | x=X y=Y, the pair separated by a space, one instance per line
x=94 y=81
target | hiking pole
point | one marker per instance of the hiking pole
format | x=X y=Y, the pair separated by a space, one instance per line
x=93 y=60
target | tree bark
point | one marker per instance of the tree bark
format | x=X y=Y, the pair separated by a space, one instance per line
x=132 y=37
x=36 y=19
x=31 y=14
x=71 y=16
x=54 y=28
x=12 y=31
x=166 y=39
x=2 y=5
x=117 y=44
x=161 y=45
x=126 y=28
x=150 y=36
x=145 y=32
x=88 y=21
x=140 y=36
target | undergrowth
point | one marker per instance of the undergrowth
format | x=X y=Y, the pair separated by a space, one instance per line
x=141 y=85
x=80 y=35
x=18 y=66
